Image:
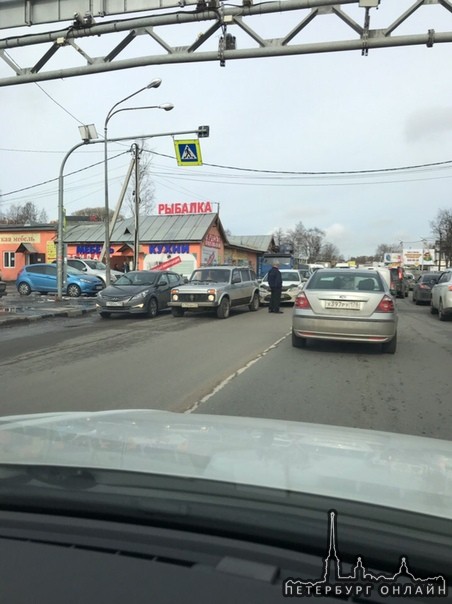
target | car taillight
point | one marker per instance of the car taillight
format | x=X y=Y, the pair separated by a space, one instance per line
x=400 y=274
x=386 y=304
x=449 y=287
x=301 y=301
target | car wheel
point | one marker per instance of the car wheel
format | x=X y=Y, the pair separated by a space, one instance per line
x=391 y=346
x=153 y=308
x=24 y=289
x=177 y=312
x=433 y=310
x=224 y=309
x=298 y=342
x=105 y=315
x=441 y=314
x=254 y=303
x=74 y=291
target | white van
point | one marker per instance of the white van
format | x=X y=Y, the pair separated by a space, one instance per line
x=385 y=273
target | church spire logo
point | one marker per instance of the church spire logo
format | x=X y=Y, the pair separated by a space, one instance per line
x=360 y=582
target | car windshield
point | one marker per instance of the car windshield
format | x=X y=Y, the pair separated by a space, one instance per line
x=177 y=151
x=211 y=276
x=286 y=276
x=95 y=264
x=430 y=279
x=138 y=278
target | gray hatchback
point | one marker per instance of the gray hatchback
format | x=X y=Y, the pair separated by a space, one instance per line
x=422 y=290
x=346 y=306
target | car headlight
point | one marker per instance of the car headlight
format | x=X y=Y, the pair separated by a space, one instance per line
x=85 y=280
x=139 y=297
x=263 y=286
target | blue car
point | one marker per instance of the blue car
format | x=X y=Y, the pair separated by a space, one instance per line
x=43 y=278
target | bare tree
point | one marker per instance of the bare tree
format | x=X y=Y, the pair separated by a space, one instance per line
x=329 y=252
x=280 y=237
x=96 y=214
x=147 y=188
x=42 y=217
x=442 y=228
x=386 y=248
x=21 y=214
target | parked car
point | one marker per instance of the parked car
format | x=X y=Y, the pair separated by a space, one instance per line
x=93 y=267
x=43 y=278
x=217 y=288
x=346 y=306
x=292 y=282
x=441 y=302
x=138 y=292
x=399 y=282
x=422 y=290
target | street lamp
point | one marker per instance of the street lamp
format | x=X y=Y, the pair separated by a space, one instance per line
x=166 y=107
x=200 y=131
x=88 y=134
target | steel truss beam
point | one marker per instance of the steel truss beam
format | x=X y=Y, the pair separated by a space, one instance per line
x=227 y=19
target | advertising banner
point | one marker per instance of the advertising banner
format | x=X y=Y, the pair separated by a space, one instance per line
x=418 y=257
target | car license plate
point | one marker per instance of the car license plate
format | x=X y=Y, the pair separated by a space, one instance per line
x=114 y=303
x=342 y=304
x=189 y=305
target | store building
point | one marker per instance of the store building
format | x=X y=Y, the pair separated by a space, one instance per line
x=178 y=241
x=25 y=244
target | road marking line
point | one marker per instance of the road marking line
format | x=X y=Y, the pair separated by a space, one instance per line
x=226 y=381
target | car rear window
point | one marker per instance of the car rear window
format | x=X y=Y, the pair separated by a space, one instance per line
x=429 y=279
x=346 y=281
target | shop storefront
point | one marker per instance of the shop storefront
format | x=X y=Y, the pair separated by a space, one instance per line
x=177 y=241
x=22 y=245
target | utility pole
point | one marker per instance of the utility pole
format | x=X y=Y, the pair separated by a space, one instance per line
x=136 y=246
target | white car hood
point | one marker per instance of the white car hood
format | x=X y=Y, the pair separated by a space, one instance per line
x=395 y=470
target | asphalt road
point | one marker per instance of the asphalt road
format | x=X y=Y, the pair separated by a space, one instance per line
x=244 y=365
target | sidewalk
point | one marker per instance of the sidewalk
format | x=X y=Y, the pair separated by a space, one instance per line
x=16 y=309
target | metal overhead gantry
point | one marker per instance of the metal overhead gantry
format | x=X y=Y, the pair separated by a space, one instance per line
x=152 y=19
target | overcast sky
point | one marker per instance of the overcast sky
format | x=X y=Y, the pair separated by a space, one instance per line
x=329 y=112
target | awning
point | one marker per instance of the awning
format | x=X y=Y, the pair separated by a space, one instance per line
x=27 y=248
x=124 y=249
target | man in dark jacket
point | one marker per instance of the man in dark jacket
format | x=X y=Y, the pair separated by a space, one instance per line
x=275 y=285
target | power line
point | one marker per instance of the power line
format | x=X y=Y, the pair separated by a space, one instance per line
x=321 y=173
x=46 y=182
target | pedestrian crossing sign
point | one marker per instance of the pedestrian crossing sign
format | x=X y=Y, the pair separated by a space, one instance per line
x=188 y=152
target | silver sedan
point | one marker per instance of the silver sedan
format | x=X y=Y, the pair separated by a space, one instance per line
x=345 y=305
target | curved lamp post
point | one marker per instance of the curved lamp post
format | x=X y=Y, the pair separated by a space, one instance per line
x=166 y=107
x=201 y=131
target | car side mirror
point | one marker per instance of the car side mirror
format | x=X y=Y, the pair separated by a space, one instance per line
x=259 y=281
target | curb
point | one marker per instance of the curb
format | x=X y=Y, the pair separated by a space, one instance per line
x=66 y=313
